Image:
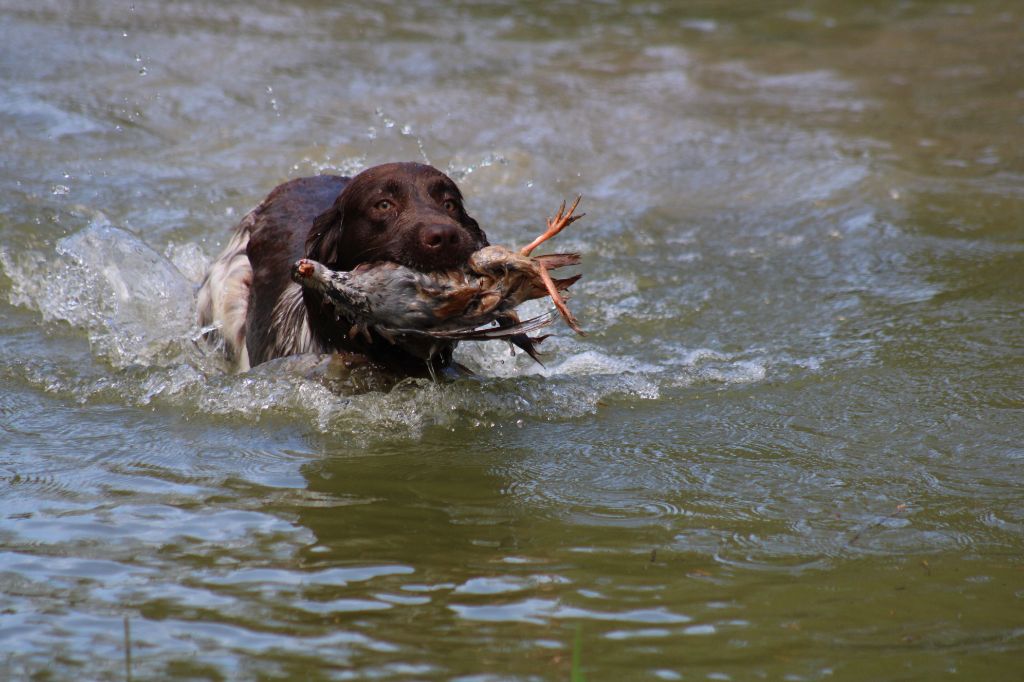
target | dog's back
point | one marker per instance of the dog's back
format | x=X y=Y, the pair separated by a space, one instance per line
x=248 y=291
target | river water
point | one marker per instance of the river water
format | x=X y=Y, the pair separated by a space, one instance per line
x=790 y=447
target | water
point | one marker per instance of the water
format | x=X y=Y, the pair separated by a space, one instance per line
x=789 y=448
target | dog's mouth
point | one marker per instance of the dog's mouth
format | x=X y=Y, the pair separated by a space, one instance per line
x=448 y=259
x=435 y=265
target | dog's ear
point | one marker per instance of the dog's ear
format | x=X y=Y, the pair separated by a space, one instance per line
x=325 y=235
x=473 y=226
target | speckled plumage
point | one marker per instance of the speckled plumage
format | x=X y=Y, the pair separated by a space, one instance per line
x=398 y=302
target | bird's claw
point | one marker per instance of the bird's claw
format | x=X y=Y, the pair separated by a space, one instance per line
x=555 y=225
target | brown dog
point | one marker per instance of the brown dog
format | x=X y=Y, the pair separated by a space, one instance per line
x=405 y=213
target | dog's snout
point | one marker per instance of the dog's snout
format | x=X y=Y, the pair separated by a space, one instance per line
x=440 y=245
x=437 y=237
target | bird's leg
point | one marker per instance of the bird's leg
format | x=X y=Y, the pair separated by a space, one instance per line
x=555 y=225
x=557 y=299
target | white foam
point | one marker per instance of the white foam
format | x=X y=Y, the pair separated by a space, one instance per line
x=138 y=309
x=135 y=304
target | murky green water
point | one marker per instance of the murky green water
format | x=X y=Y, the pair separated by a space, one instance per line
x=790 y=447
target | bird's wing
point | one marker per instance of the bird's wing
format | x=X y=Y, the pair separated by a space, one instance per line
x=558 y=260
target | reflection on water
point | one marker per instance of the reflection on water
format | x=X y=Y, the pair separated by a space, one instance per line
x=791 y=436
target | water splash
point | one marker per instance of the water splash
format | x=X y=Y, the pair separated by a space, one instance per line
x=135 y=304
x=137 y=307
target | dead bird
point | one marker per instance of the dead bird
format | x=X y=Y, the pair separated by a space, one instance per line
x=407 y=213
x=406 y=306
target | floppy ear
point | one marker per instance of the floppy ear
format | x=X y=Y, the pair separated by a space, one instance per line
x=467 y=221
x=475 y=226
x=325 y=235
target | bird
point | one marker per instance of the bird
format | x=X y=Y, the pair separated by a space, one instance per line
x=406 y=306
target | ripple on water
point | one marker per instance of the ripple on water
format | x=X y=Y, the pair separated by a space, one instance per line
x=683 y=367
x=287 y=578
x=185 y=634
x=597 y=485
x=283 y=388
x=540 y=611
x=61 y=569
x=507 y=584
x=124 y=528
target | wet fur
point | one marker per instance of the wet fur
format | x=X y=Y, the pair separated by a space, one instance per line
x=261 y=314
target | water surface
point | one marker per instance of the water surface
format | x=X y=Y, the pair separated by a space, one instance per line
x=789 y=447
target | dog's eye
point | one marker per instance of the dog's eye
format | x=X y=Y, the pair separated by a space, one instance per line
x=383 y=205
x=450 y=205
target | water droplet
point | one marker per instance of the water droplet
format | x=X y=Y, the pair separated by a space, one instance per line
x=529 y=184
x=371 y=133
x=60 y=190
x=142 y=71
x=407 y=129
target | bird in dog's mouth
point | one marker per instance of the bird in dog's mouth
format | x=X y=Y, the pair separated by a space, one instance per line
x=477 y=301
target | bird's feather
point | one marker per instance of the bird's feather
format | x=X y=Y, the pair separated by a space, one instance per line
x=484 y=333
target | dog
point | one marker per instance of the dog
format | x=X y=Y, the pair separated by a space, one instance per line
x=407 y=213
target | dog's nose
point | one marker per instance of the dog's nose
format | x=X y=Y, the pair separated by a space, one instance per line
x=438 y=237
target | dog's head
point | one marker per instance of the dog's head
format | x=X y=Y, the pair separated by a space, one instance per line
x=407 y=213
